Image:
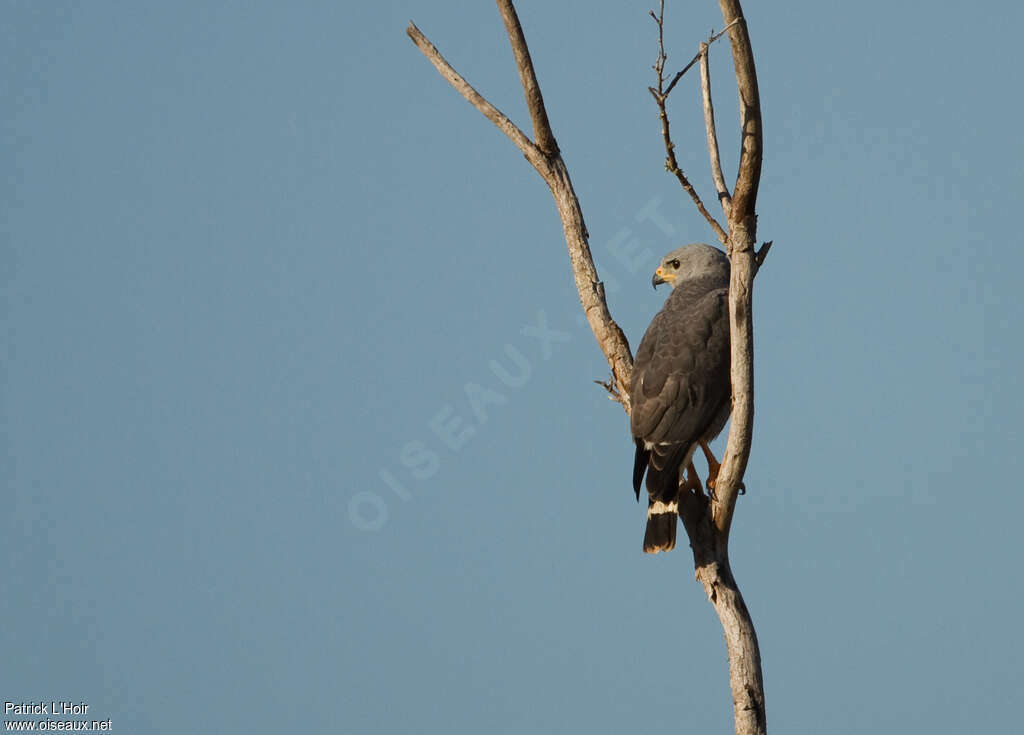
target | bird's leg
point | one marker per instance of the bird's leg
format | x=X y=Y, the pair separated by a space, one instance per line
x=713 y=467
x=692 y=481
x=713 y=464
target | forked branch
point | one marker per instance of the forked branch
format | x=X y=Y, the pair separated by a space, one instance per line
x=707 y=520
x=523 y=143
x=544 y=155
x=660 y=97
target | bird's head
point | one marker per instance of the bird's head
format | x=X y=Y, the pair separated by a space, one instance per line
x=696 y=260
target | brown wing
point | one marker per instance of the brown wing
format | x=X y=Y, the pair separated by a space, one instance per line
x=680 y=387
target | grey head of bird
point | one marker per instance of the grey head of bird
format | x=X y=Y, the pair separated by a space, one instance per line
x=690 y=262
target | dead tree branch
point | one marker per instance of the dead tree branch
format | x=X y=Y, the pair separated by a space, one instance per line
x=661 y=45
x=707 y=520
x=660 y=96
x=742 y=233
x=709 y=125
x=523 y=143
x=544 y=155
x=531 y=89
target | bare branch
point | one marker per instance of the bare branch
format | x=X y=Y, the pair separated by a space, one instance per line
x=742 y=233
x=548 y=162
x=609 y=335
x=672 y=166
x=749 y=175
x=709 y=125
x=612 y=387
x=741 y=640
x=531 y=89
x=660 y=96
x=533 y=154
x=713 y=570
x=707 y=521
x=679 y=75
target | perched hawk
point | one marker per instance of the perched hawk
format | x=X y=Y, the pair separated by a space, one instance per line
x=680 y=392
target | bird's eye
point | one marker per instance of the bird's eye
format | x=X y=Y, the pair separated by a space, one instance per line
x=674 y=263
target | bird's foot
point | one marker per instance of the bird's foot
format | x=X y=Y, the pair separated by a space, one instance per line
x=692 y=481
x=711 y=487
x=713 y=467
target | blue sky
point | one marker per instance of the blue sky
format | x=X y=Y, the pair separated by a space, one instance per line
x=259 y=263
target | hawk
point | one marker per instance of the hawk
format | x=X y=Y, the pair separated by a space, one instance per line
x=680 y=390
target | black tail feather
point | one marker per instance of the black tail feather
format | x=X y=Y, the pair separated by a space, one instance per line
x=640 y=466
x=662 y=465
x=661 y=532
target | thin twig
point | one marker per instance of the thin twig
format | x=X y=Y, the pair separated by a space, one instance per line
x=679 y=75
x=672 y=166
x=612 y=388
x=659 y=63
x=709 y=125
x=660 y=95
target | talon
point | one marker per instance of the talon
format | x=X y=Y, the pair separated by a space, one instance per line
x=711 y=487
x=713 y=467
x=692 y=481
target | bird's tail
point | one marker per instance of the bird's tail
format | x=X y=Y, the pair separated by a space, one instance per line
x=661 y=526
x=662 y=464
